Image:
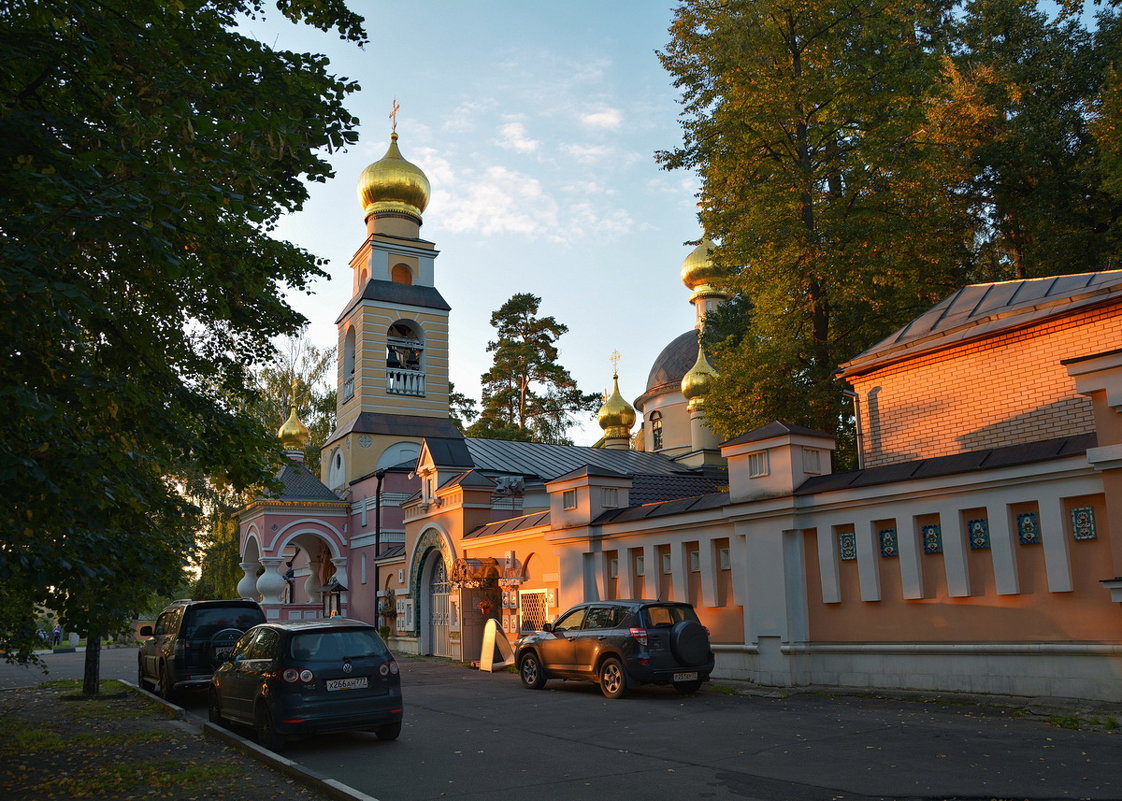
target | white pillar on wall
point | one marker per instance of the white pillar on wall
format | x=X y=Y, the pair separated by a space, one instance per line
x=828 y=561
x=625 y=587
x=868 y=559
x=678 y=574
x=1002 y=549
x=954 y=555
x=910 y=549
x=708 y=567
x=1053 y=533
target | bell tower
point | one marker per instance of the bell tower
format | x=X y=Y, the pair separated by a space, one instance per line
x=393 y=332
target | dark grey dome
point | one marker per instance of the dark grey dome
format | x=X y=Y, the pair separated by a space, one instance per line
x=675 y=361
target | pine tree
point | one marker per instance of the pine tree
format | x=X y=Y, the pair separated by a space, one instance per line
x=527 y=395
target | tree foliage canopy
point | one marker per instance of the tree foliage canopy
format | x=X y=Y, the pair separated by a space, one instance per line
x=147 y=149
x=861 y=160
x=527 y=395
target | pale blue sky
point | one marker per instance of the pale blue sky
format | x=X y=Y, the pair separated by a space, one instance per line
x=536 y=124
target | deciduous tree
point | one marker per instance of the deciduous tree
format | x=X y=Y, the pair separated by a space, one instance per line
x=146 y=150
x=831 y=157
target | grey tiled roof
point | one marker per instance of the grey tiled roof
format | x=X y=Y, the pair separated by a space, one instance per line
x=547 y=462
x=509 y=525
x=774 y=429
x=426 y=297
x=984 y=309
x=679 y=506
x=301 y=485
x=990 y=459
x=658 y=488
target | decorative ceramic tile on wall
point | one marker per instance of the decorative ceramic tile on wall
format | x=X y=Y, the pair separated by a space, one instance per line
x=1083 y=523
x=979 y=530
x=1028 y=528
x=932 y=538
x=888 y=545
x=847 y=546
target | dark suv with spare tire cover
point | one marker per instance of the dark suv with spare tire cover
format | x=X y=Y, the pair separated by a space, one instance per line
x=619 y=644
x=191 y=639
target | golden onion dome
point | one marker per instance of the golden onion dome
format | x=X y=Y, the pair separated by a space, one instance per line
x=616 y=415
x=393 y=184
x=294 y=435
x=698 y=380
x=698 y=268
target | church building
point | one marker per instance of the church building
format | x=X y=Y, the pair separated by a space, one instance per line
x=976 y=549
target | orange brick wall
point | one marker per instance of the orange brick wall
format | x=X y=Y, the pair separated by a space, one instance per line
x=1005 y=390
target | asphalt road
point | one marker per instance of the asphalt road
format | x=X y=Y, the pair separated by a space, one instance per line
x=472 y=736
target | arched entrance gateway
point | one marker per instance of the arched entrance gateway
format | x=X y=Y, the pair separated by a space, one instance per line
x=437 y=612
x=437 y=621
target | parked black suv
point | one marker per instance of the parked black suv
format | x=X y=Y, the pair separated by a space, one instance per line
x=619 y=644
x=190 y=640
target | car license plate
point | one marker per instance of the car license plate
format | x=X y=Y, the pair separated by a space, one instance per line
x=691 y=676
x=356 y=683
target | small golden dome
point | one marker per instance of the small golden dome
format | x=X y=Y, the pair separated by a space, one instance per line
x=697 y=382
x=698 y=268
x=294 y=435
x=616 y=415
x=393 y=184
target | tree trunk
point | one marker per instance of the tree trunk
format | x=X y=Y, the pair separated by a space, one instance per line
x=91 y=678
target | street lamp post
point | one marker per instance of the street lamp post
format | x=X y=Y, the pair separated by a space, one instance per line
x=379 y=475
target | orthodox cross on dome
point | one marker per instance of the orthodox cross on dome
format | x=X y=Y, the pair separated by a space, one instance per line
x=393 y=115
x=614 y=359
x=295 y=386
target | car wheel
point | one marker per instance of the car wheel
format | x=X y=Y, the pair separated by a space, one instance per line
x=266 y=730
x=688 y=687
x=167 y=687
x=530 y=669
x=390 y=731
x=141 y=681
x=613 y=678
x=214 y=708
x=689 y=643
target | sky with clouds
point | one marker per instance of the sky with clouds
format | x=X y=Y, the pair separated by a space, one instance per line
x=536 y=124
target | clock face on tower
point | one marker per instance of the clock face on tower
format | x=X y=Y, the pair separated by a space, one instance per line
x=365 y=440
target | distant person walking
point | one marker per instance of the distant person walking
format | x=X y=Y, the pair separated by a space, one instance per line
x=57 y=637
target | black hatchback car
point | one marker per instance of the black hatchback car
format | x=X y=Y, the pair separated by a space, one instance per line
x=307 y=677
x=190 y=640
x=619 y=644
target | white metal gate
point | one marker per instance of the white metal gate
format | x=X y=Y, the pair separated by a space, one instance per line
x=439 y=613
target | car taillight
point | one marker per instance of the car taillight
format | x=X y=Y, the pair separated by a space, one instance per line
x=393 y=667
x=640 y=636
x=293 y=675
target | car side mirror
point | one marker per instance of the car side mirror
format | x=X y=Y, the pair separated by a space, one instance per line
x=145 y=631
x=547 y=627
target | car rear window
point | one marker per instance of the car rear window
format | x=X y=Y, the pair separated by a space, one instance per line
x=206 y=621
x=318 y=646
x=669 y=615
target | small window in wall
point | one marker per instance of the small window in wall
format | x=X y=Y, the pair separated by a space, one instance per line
x=811 y=461
x=656 y=430
x=666 y=566
x=640 y=566
x=569 y=499
x=695 y=562
x=337 y=472
x=757 y=464
x=401 y=274
x=613 y=568
x=610 y=497
x=723 y=559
